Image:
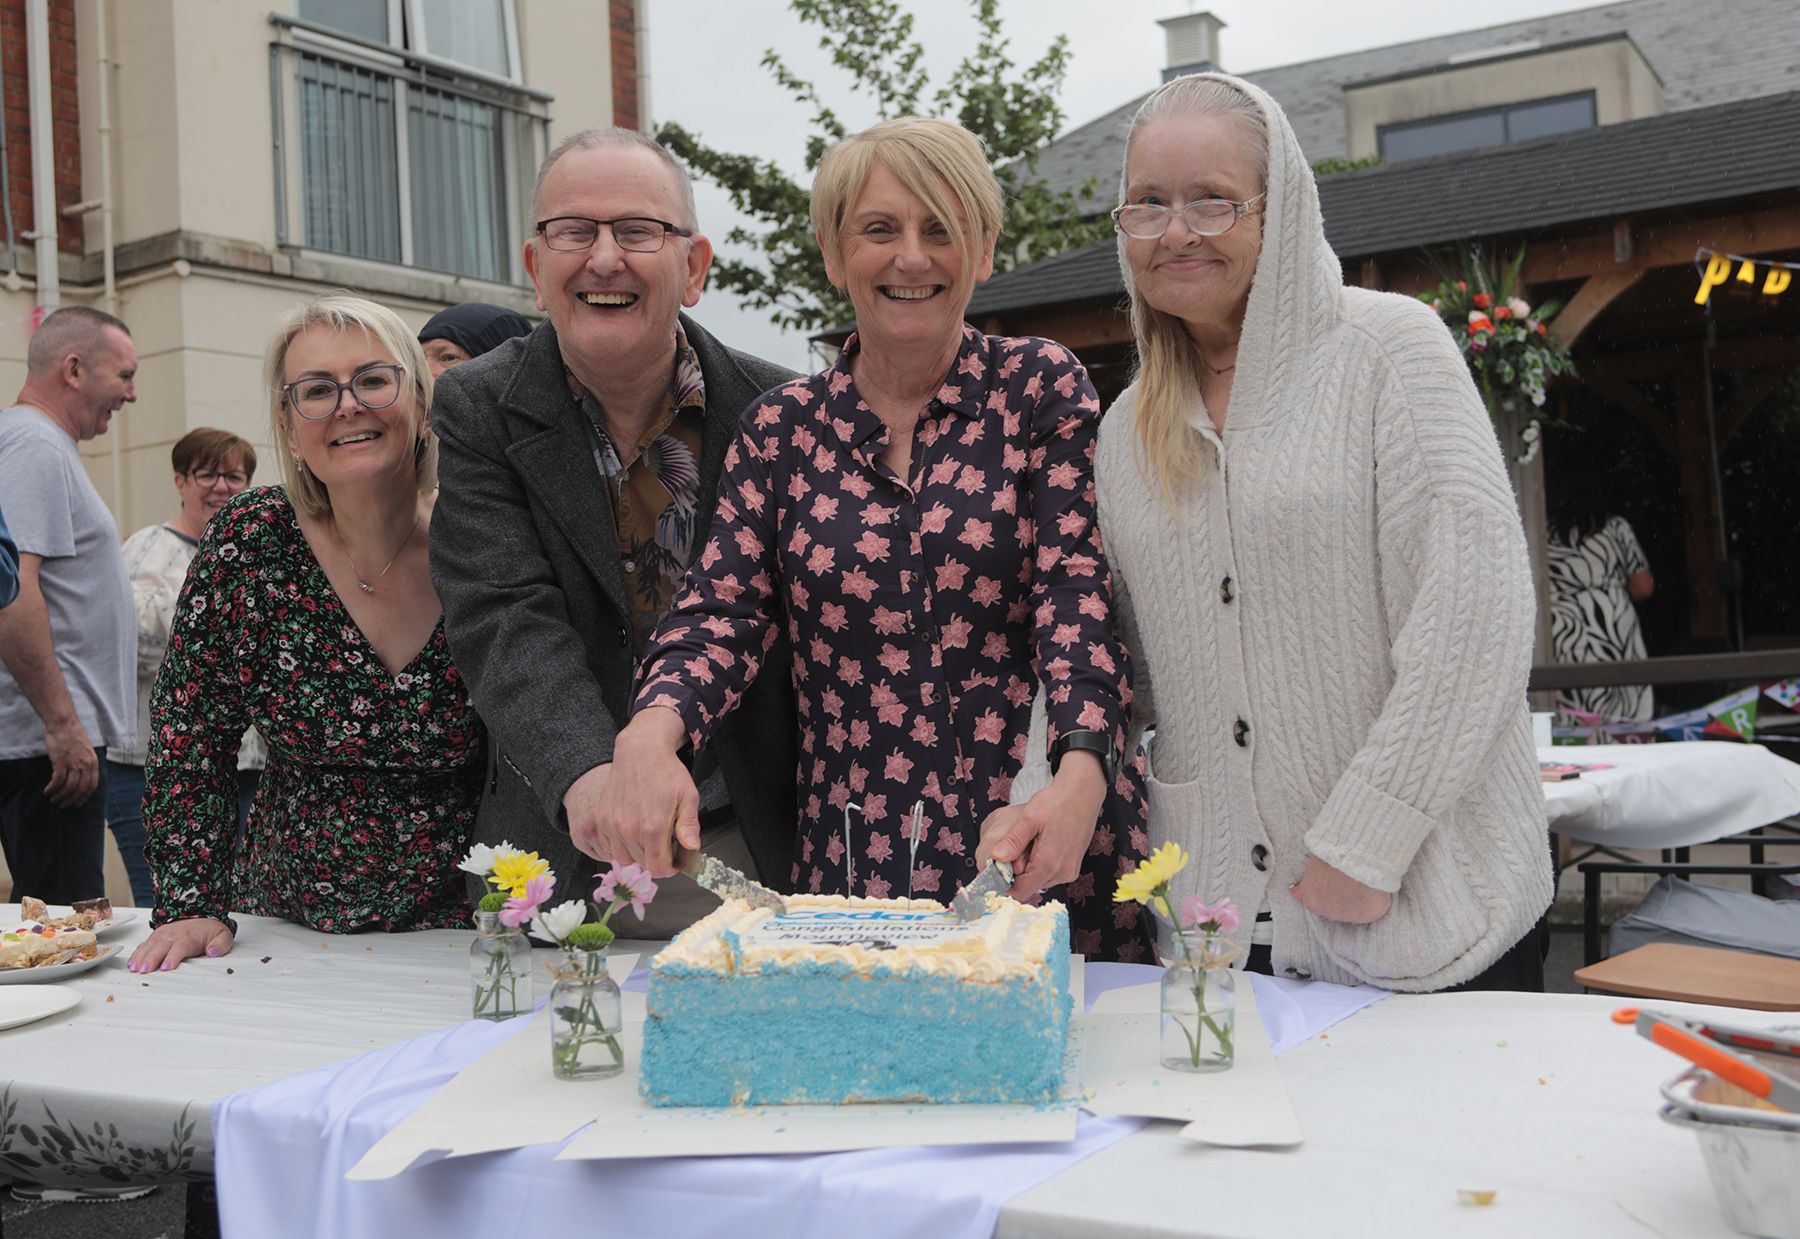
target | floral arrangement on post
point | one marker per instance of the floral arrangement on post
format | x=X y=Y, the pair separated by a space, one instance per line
x=1506 y=342
x=586 y=1012
x=1199 y=995
x=500 y=958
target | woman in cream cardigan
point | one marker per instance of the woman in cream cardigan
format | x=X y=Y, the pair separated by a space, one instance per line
x=1322 y=576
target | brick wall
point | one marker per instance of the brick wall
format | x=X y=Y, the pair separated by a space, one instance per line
x=65 y=109
x=626 y=112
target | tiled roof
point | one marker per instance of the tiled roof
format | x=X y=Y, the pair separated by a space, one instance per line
x=1732 y=150
x=1705 y=53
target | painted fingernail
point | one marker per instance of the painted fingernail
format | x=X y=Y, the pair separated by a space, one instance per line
x=212 y=950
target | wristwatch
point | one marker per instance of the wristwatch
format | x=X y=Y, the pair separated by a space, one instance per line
x=1088 y=741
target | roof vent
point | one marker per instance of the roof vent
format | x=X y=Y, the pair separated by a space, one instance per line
x=1193 y=44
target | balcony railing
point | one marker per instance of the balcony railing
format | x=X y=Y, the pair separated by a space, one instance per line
x=399 y=157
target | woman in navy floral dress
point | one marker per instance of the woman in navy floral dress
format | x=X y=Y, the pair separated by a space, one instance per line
x=919 y=519
x=309 y=612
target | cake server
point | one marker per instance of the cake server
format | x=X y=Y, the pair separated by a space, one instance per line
x=970 y=903
x=728 y=883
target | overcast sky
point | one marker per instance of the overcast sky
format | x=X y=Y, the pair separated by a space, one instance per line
x=1117 y=54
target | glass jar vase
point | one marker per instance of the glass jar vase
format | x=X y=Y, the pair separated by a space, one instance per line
x=586 y=1017
x=1199 y=1017
x=499 y=969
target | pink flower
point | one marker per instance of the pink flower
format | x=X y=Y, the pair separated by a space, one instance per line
x=1220 y=918
x=519 y=909
x=627 y=884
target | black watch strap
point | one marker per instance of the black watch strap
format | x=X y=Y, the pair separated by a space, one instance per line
x=1088 y=741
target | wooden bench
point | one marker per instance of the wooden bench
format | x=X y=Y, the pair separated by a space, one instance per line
x=1699 y=974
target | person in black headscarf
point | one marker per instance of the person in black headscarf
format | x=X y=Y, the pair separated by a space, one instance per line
x=464 y=332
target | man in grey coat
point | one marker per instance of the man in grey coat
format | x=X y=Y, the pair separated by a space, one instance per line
x=579 y=470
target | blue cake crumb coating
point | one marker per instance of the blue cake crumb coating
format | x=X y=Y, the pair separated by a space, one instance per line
x=825 y=1034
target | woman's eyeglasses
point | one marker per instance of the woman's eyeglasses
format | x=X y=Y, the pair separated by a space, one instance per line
x=1209 y=217
x=374 y=387
x=237 y=479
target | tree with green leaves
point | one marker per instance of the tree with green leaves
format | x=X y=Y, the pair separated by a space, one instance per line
x=1013 y=111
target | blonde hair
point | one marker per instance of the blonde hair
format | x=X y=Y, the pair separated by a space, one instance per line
x=1168 y=365
x=937 y=160
x=342 y=312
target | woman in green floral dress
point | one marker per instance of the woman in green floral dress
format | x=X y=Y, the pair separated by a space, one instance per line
x=309 y=611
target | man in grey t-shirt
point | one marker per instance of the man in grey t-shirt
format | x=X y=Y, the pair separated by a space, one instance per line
x=68 y=653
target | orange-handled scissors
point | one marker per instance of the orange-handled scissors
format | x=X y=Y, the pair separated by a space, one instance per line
x=1703 y=1044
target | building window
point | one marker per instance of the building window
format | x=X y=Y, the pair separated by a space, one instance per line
x=414 y=150
x=1467 y=131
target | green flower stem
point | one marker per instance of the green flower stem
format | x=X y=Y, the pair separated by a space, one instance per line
x=584 y=1028
x=499 y=973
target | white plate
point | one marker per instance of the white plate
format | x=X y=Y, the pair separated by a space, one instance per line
x=25 y=1003
x=120 y=916
x=55 y=972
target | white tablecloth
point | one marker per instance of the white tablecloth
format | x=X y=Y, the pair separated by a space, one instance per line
x=284 y=1150
x=1538 y=1096
x=1669 y=795
x=150 y=1054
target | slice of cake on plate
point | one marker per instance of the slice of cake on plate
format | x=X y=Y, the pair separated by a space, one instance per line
x=859 y=1000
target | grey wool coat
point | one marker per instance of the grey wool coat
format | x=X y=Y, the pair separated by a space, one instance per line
x=525 y=558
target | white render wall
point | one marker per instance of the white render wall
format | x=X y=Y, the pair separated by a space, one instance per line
x=192 y=153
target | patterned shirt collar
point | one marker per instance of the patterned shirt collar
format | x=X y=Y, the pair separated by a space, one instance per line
x=687 y=390
x=964 y=389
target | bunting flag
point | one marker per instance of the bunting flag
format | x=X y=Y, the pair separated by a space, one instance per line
x=1767 y=279
x=1786 y=693
x=1731 y=717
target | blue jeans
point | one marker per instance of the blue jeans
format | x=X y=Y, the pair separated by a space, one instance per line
x=125 y=818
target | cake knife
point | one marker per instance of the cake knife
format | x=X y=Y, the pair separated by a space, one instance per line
x=728 y=883
x=970 y=903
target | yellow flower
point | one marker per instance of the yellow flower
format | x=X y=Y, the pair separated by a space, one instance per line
x=1143 y=882
x=512 y=870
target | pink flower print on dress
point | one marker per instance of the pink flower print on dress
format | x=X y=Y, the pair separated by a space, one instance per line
x=876 y=887
x=889 y=623
x=949 y=842
x=880 y=846
x=859 y=585
x=979 y=535
x=899 y=767
x=926 y=879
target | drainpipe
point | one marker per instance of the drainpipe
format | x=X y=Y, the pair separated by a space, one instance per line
x=43 y=154
x=643 y=67
x=104 y=205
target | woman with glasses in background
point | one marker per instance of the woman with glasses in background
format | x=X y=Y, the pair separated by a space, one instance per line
x=211 y=466
x=309 y=611
x=1321 y=577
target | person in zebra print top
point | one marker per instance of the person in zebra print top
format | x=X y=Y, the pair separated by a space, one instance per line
x=1597 y=573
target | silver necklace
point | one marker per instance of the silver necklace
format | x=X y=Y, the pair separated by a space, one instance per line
x=361 y=584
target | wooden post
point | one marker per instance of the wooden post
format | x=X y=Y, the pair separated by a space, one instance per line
x=1510 y=420
x=1699 y=498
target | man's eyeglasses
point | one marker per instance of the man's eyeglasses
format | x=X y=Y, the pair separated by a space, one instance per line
x=375 y=386
x=237 y=479
x=1209 y=217
x=639 y=234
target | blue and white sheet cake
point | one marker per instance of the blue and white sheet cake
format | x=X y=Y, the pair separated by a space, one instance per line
x=859 y=1000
